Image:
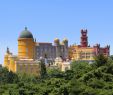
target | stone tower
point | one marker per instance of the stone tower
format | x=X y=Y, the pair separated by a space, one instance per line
x=84 y=38
x=57 y=45
x=65 y=43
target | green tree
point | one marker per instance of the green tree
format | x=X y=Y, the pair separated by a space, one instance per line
x=55 y=73
x=100 y=60
x=7 y=76
x=43 y=72
x=80 y=68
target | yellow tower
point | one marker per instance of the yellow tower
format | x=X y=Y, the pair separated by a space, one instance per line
x=26 y=45
x=6 y=58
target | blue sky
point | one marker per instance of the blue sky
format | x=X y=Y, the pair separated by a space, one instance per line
x=49 y=19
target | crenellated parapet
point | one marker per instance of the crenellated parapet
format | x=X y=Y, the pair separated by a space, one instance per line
x=85 y=52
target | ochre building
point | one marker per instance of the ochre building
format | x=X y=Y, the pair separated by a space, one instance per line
x=85 y=52
x=30 y=51
x=25 y=61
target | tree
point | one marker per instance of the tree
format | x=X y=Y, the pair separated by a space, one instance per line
x=43 y=72
x=55 y=73
x=111 y=57
x=76 y=87
x=79 y=69
x=100 y=60
x=7 y=76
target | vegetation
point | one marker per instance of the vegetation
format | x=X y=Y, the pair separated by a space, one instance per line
x=82 y=79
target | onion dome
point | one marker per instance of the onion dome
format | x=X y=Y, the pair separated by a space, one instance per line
x=65 y=40
x=56 y=40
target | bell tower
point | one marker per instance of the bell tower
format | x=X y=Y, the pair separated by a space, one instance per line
x=84 y=38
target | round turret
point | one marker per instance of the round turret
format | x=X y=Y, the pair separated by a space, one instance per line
x=65 y=40
x=56 y=41
x=26 y=45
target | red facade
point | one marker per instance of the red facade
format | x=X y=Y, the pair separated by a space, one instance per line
x=97 y=49
x=102 y=50
x=84 y=38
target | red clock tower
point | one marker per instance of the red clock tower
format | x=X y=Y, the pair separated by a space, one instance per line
x=84 y=38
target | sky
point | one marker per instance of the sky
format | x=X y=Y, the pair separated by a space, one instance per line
x=50 y=19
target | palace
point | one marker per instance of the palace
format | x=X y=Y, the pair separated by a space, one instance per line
x=29 y=48
x=84 y=52
x=30 y=52
x=49 y=51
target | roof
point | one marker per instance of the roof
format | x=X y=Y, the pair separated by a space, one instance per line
x=26 y=34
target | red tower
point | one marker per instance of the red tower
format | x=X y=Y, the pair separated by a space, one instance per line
x=84 y=38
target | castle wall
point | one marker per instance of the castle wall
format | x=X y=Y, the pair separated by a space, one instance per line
x=45 y=50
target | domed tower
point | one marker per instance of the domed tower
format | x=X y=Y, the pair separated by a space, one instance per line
x=56 y=41
x=26 y=45
x=57 y=47
x=65 y=43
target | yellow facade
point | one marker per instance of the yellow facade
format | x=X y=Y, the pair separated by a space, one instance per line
x=13 y=63
x=81 y=53
x=84 y=52
x=9 y=62
x=26 y=48
x=24 y=62
x=27 y=66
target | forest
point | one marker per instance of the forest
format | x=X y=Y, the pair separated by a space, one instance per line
x=83 y=79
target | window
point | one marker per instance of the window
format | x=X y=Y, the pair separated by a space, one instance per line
x=87 y=57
